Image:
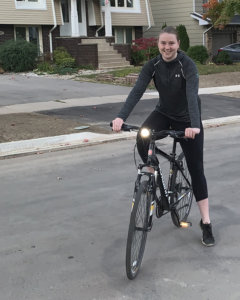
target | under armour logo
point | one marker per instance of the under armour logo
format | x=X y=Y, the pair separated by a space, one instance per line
x=177 y=75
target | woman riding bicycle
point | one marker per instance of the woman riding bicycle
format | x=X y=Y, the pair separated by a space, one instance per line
x=176 y=78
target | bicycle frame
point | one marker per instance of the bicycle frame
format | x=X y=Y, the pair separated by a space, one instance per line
x=156 y=179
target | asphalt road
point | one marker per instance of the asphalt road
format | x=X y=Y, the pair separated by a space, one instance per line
x=213 y=106
x=19 y=89
x=64 y=220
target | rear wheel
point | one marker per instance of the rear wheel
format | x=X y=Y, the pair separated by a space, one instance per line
x=138 y=229
x=182 y=196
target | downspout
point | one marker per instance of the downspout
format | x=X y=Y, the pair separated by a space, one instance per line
x=50 y=32
x=205 y=33
x=101 y=19
x=148 y=16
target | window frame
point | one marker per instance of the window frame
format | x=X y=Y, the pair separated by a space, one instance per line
x=28 y=4
x=120 y=9
x=118 y=28
x=40 y=38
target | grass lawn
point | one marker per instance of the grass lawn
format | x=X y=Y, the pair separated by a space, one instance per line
x=214 y=69
x=202 y=69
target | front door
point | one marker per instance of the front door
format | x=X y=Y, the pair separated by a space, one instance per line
x=74 y=18
x=82 y=22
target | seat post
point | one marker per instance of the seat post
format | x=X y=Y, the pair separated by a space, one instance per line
x=174 y=147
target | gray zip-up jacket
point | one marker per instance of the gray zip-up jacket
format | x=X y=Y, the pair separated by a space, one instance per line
x=177 y=84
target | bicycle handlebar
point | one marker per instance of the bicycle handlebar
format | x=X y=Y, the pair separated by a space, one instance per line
x=157 y=134
x=127 y=127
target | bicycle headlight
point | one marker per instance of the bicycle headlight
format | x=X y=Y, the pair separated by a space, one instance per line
x=145 y=133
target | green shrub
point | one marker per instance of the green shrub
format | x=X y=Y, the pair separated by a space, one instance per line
x=45 y=67
x=86 y=67
x=198 y=53
x=137 y=57
x=223 y=58
x=65 y=70
x=18 y=56
x=63 y=58
x=153 y=52
x=183 y=36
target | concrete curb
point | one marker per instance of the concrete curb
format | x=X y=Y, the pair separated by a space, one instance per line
x=210 y=90
x=74 y=140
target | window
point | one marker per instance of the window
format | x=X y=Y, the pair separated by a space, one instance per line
x=79 y=9
x=20 y=33
x=65 y=11
x=119 y=3
x=30 y=4
x=123 y=35
x=31 y=34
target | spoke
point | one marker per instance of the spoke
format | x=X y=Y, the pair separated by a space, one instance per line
x=183 y=193
x=140 y=222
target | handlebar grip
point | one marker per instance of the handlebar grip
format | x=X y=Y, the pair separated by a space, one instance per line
x=126 y=127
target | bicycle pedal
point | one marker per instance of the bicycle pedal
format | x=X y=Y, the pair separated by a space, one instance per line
x=185 y=224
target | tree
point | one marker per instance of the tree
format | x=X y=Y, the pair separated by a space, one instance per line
x=221 y=13
x=183 y=36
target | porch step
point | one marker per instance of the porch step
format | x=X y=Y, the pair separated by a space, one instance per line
x=108 y=57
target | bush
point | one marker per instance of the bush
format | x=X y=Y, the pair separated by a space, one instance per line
x=223 y=58
x=183 y=36
x=198 y=53
x=18 y=56
x=87 y=67
x=45 y=67
x=62 y=58
x=137 y=57
x=65 y=70
x=144 y=49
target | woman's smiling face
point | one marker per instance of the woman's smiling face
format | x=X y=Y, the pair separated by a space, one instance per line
x=168 y=46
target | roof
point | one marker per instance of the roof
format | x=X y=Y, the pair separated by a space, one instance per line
x=200 y=19
x=235 y=20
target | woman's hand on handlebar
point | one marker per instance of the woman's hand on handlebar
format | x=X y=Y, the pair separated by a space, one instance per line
x=117 y=124
x=191 y=132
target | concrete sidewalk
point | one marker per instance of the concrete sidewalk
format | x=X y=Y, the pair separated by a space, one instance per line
x=87 y=138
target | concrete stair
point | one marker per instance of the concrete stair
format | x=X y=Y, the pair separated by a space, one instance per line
x=108 y=57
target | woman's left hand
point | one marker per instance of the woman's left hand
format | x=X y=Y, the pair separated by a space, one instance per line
x=191 y=132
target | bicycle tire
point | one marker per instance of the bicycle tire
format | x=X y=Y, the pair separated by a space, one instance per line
x=138 y=229
x=179 y=187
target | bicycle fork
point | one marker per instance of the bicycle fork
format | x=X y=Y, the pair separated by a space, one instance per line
x=150 y=191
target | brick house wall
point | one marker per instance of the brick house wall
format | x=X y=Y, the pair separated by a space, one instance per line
x=45 y=32
x=85 y=54
x=124 y=49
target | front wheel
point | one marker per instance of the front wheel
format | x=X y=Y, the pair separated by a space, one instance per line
x=181 y=199
x=140 y=224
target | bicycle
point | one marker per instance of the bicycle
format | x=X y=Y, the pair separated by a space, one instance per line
x=176 y=198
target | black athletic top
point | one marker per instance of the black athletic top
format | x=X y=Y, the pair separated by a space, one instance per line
x=177 y=84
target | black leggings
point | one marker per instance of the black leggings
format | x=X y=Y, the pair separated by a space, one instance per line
x=192 y=148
